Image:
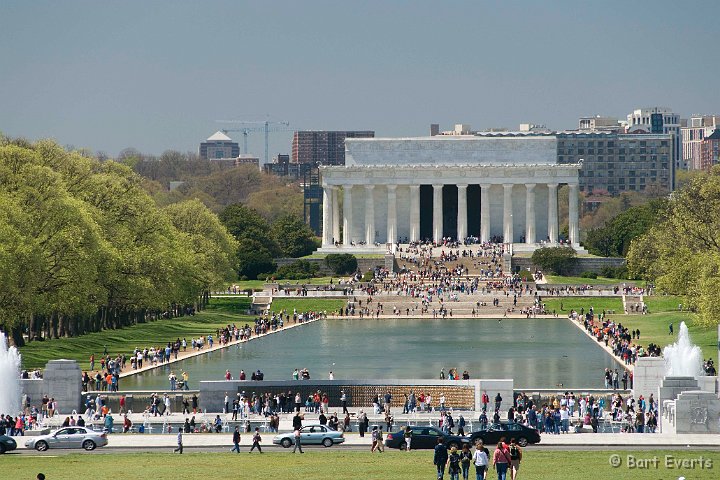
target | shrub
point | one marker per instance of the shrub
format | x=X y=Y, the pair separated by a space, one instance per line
x=556 y=260
x=589 y=275
x=615 y=272
x=341 y=263
x=297 y=270
x=369 y=276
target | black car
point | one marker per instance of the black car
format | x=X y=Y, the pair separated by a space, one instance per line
x=7 y=443
x=424 y=438
x=495 y=431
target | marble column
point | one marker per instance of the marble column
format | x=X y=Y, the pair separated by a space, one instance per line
x=530 y=213
x=462 y=213
x=336 y=216
x=552 y=212
x=573 y=214
x=414 y=213
x=437 y=213
x=369 y=215
x=347 y=215
x=327 y=216
x=507 y=213
x=391 y=216
x=485 y=212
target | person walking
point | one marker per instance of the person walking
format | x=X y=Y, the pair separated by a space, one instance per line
x=440 y=458
x=343 y=402
x=453 y=464
x=407 y=434
x=179 y=442
x=298 y=441
x=465 y=459
x=374 y=438
x=380 y=445
x=256 y=439
x=236 y=440
x=515 y=458
x=501 y=460
x=481 y=460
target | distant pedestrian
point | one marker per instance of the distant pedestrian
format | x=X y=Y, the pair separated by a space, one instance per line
x=236 y=440
x=298 y=442
x=256 y=439
x=440 y=458
x=179 y=442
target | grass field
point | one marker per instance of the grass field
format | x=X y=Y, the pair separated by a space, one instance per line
x=356 y=255
x=560 y=280
x=219 y=313
x=663 y=303
x=563 y=305
x=343 y=465
x=306 y=304
x=259 y=284
x=654 y=329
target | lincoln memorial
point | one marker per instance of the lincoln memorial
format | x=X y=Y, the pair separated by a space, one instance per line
x=497 y=187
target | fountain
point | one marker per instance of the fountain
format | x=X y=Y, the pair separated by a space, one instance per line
x=9 y=378
x=682 y=358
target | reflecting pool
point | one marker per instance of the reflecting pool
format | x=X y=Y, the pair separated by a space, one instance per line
x=537 y=353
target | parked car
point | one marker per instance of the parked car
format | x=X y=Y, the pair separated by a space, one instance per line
x=423 y=438
x=69 y=437
x=495 y=431
x=7 y=444
x=311 y=435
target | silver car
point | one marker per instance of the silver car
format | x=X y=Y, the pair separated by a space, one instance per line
x=69 y=437
x=311 y=435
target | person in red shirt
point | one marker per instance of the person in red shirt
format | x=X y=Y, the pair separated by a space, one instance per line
x=501 y=460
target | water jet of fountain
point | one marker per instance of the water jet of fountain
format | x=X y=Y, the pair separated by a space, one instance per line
x=9 y=378
x=682 y=358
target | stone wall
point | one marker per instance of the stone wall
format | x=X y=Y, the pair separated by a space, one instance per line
x=582 y=264
x=459 y=394
x=61 y=381
x=364 y=264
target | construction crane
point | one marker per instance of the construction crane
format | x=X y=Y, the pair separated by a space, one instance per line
x=263 y=126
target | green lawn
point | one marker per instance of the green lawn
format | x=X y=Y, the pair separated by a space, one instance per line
x=560 y=280
x=663 y=303
x=356 y=255
x=563 y=305
x=219 y=313
x=654 y=329
x=303 y=304
x=340 y=464
x=260 y=284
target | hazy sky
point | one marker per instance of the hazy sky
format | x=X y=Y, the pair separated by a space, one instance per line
x=156 y=75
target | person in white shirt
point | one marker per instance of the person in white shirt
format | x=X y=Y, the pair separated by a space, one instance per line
x=331 y=376
x=564 y=419
x=480 y=459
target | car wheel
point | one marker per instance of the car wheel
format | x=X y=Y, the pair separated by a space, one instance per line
x=88 y=445
x=286 y=442
x=402 y=446
x=327 y=442
x=41 y=446
x=453 y=444
x=522 y=441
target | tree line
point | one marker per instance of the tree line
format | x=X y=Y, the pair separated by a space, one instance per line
x=84 y=247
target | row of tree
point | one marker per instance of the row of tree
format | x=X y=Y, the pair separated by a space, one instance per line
x=680 y=252
x=84 y=247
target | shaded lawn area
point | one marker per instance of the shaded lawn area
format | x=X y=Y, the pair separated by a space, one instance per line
x=341 y=464
x=560 y=280
x=220 y=312
x=563 y=305
x=654 y=329
x=260 y=284
x=304 y=304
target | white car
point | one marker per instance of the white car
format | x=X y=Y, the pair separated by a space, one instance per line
x=69 y=437
x=311 y=435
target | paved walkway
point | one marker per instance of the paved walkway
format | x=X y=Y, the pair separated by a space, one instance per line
x=216 y=346
x=602 y=345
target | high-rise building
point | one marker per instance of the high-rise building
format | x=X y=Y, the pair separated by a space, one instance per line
x=619 y=162
x=219 y=147
x=710 y=151
x=319 y=147
x=659 y=120
x=699 y=127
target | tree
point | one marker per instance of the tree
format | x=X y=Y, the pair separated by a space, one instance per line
x=341 y=263
x=556 y=260
x=293 y=236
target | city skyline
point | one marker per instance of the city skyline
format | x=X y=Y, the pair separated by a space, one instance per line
x=156 y=76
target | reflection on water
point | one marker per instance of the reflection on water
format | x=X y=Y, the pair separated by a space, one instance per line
x=537 y=353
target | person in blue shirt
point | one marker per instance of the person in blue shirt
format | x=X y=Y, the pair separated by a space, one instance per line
x=440 y=458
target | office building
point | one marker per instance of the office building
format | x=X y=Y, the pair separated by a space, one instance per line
x=699 y=127
x=710 y=151
x=659 y=120
x=319 y=147
x=219 y=147
x=600 y=124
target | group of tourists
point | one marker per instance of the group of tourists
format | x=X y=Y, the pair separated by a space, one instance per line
x=506 y=458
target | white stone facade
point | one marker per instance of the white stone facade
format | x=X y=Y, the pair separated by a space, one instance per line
x=517 y=178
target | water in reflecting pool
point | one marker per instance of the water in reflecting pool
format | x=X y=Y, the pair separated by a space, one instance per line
x=537 y=353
